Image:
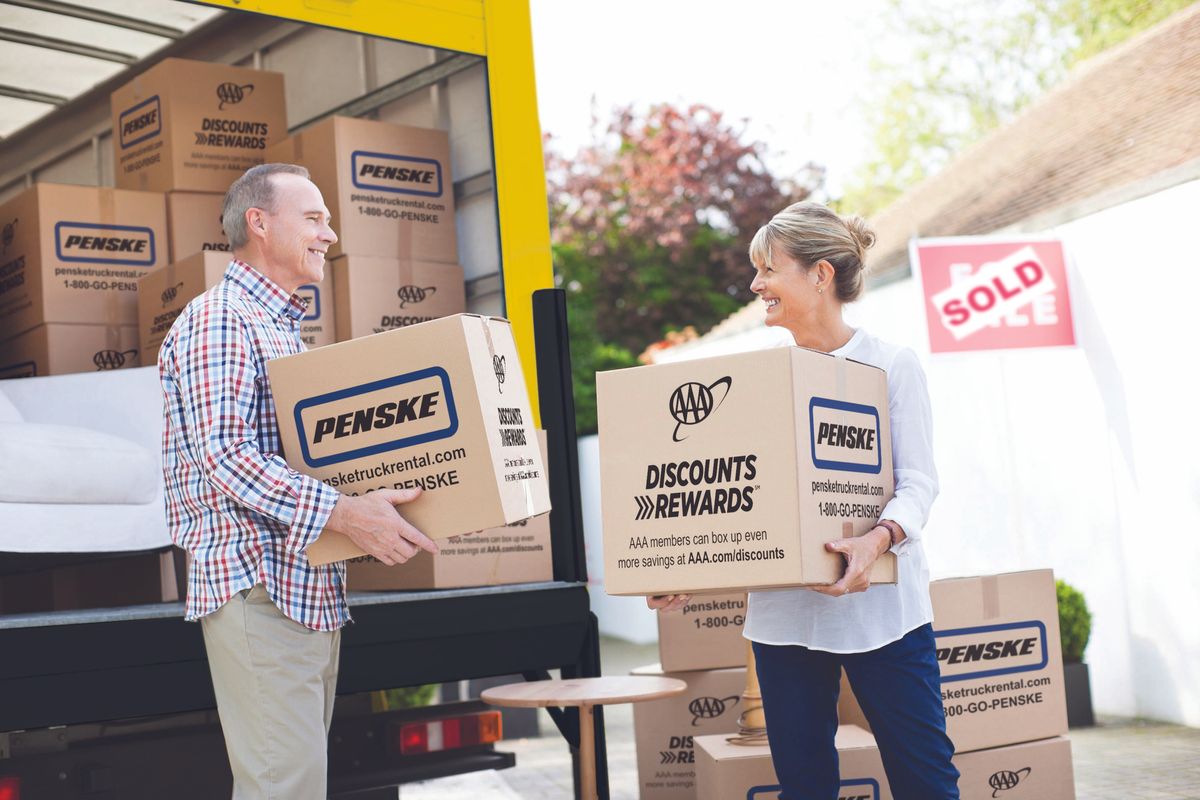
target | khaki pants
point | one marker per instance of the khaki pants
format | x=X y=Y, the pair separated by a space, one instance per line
x=274 y=680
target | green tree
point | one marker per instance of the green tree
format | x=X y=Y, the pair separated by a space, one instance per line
x=650 y=225
x=973 y=66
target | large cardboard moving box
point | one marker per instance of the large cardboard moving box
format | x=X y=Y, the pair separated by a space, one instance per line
x=665 y=730
x=387 y=186
x=733 y=472
x=65 y=349
x=1033 y=771
x=441 y=405
x=381 y=294
x=516 y=553
x=194 y=126
x=1001 y=660
x=164 y=293
x=194 y=221
x=704 y=634
x=726 y=771
x=74 y=254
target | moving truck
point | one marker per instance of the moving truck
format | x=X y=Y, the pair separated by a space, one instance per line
x=117 y=701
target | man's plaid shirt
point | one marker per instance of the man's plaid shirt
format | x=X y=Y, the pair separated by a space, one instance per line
x=232 y=502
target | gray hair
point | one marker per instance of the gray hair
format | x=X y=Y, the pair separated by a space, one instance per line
x=809 y=232
x=254 y=189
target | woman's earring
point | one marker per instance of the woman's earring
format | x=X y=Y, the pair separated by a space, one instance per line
x=820 y=290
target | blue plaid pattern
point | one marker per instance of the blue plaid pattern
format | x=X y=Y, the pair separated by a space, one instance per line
x=232 y=502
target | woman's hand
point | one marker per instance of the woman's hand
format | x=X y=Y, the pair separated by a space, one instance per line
x=860 y=553
x=668 y=602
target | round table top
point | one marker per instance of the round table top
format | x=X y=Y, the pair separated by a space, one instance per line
x=584 y=691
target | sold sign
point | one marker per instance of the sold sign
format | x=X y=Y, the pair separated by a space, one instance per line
x=986 y=294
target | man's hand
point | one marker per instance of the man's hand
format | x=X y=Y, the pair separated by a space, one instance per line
x=372 y=522
x=860 y=553
x=668 y=602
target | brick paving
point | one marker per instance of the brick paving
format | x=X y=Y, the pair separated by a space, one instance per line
x=1119 y=759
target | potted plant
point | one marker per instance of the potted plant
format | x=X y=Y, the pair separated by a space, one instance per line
x=1075 y=627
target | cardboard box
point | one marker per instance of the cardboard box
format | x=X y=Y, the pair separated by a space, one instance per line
x=64 y=349
x=74 y=254
x=725 y=771
x=704 y=634
x=1001 y=660
x=387 y=186
x=194 y=126
x=1033 y=771
x=164 y=293
x=103 y=583
x=382 y=294
x=441 y=405
x=194 y=222
x=516 y=553
x=665 y=730
x=732 y=473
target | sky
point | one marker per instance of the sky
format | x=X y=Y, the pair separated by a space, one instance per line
x=797 y=71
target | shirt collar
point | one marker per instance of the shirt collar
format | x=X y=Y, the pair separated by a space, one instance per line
x=265 y=292
x=849 y=346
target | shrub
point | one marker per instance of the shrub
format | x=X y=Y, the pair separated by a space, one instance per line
x=1074 y=621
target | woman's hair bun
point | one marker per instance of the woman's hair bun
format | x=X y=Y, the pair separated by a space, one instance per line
x=862 y=233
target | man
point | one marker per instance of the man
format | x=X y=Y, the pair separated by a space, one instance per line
x=271 y=621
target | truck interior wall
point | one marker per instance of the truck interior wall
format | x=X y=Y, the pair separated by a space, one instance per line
x=324 y=69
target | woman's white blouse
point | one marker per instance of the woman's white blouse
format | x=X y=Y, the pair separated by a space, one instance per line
x=859 y=622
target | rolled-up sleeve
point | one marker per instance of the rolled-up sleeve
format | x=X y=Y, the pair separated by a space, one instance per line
x=218 y=382
x=912 y=448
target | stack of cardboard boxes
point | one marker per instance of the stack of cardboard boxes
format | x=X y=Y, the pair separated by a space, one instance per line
x=1002 y=692
x=389 y=190
x=72 y=257
x=701 y=645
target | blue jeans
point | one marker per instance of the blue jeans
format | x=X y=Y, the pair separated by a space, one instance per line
x=899 y=689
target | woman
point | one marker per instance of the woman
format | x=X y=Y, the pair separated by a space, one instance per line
x=808 y=263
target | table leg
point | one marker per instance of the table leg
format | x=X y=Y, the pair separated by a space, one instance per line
x=587 y=753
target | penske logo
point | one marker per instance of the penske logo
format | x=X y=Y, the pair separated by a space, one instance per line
x=710 y=707
x=140 y=122
x=852 y=789
x=231 y=94
x=104 y=244
x=386 y=172
x=982 y=652
x=113 y=359
x=692 y=403
x=844 y=436
x=377 y=417
x=310 y=295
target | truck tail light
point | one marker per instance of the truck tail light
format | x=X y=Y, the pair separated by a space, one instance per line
x=10 y=789
x=450 y=733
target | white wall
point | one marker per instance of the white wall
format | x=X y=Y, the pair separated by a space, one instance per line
x=1082 y=459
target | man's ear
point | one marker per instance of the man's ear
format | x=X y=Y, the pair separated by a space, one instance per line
x=256 y=222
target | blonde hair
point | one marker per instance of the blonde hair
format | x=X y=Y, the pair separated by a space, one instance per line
x=809 y=232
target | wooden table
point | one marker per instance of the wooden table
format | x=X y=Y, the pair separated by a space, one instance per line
x=586 y=694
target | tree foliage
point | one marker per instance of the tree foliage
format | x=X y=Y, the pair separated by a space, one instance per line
x=973 y=66
x=650 y=225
